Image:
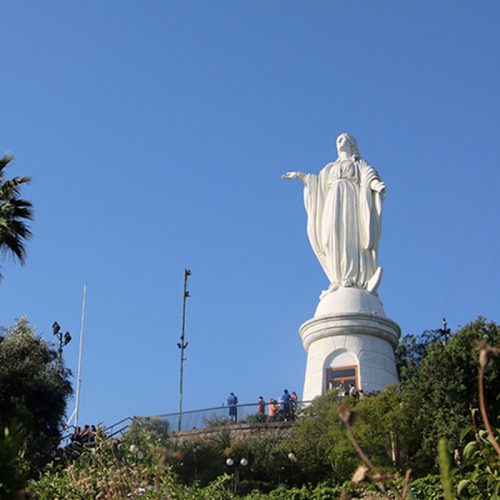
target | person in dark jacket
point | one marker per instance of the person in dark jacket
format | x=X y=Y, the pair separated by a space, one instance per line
x=232 y=402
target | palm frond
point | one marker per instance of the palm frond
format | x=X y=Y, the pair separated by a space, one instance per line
x=14 y=214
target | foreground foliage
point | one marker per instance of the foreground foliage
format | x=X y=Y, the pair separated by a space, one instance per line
x=416 y=440
x=34 y=389
x=439 y=386
x=115 y=470
x=13 y=470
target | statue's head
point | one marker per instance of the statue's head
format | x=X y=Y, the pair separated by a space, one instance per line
x=347 y=144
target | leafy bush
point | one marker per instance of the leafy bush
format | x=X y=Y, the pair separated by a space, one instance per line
x=34 y=388
x=12 y=468
x=115 y=471
x=427 y=487
x=383 y=429
x=148 y=434
x=256 y=418
x=480 y=467
x=319 y=492
x=441 y=385
x=216 y=421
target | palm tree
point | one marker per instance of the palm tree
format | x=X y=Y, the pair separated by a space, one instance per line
x=14 y=214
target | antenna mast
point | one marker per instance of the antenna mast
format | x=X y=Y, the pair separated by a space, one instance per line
x=182 y=344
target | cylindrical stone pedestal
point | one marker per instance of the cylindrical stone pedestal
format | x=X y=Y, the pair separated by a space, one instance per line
x=349 y=340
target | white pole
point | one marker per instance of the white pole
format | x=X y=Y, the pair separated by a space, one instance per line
x=79 y=376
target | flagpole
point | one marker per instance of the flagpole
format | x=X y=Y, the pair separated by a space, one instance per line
x=80 y=355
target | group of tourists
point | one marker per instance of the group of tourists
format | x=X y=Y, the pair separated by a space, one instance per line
x=84 y=436
x=350 y=391
x=284 y=409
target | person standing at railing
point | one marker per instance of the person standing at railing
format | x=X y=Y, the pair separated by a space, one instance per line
x=76 y=437
x=352 y=391
x=86 y=434
x=285 y=404
x=293 y=403
x=232 y=402
x=273 y=410
x=261 y=406
x=92 y=434
x=341 y=389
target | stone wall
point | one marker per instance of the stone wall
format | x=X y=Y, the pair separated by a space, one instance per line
x=236 y=431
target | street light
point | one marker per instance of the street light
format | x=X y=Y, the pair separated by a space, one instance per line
x=196 y=449
x=293 y=460
x=64 y=339
x=230 y=462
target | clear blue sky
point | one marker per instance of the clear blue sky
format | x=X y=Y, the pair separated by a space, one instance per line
x=156 y=133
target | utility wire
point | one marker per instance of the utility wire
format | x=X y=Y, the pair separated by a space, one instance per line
x=468 y=242
x=486 y=284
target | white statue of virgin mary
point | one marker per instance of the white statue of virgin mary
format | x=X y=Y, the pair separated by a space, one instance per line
x=344 y=217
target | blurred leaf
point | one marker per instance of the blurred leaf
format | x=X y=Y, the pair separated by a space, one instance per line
x=470 y=449
x=462 y=485
x=360 y=474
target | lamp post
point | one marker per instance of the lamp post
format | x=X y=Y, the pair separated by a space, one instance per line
x=182 y=344
x=64 y=339
x=230 y=462
x=196 y=449
x=293 y=461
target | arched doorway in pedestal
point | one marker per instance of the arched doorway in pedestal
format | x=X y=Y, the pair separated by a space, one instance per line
x=341 y=367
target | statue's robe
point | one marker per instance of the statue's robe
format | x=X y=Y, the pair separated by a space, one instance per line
x=344 y=221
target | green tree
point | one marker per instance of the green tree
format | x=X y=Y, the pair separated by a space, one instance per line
x=146 y=433
x=321 y=446
x=34 y=389
x=382 y=427
x=441 y=387
x=117 y=472
x=12 y=472
x=14 y=214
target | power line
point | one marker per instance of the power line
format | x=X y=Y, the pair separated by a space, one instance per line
x=468 y=242
x=486 y=284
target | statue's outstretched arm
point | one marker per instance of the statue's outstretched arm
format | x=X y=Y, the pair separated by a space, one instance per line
x=294 y=175
x=377 y=185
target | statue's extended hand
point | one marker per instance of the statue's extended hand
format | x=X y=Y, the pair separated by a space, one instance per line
x=293 y=175
x=377 y=186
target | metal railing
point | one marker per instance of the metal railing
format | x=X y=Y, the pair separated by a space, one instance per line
x=229 y=414
x=209 y=417
x=108 y=432
x=117 y=427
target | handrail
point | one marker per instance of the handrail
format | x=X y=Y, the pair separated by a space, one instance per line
x=105 y=430
x=219 y=415
x=204 y=413
x=118 y=423
x=222 y=407
x=226 y=407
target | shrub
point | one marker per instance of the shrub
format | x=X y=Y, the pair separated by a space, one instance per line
x=256 y=418
x=34 y=388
